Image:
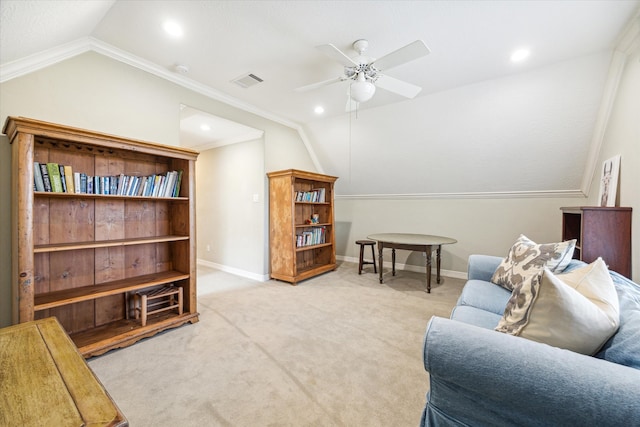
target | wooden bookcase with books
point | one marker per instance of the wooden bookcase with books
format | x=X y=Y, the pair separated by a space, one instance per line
x=301 y=225
x=82 y=256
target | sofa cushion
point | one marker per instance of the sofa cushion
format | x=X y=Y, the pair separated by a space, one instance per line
x=475 y=316
x=484 y=295
x=580 y=314
x=527 y=258
x=624 y=347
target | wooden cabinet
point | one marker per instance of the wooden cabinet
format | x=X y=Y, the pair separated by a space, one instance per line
x=301 y=225
x=81 y=257
x=600 y=232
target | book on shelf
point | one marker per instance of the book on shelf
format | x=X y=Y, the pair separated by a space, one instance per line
x=113 y=185
x=54 y=177
x=83 y=182
x=313 y=196
x=176 y=191
x=45 y=176
x=315 y=236
x=37 y=177
x=62 y=180
x=69 y=178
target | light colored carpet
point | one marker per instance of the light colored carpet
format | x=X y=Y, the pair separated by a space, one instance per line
x=336 y=350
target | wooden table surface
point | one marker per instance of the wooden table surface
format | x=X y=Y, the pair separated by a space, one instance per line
x=45 y=381
x=411 y=242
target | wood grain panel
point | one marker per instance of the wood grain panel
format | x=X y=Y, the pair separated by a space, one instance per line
x=40 y=221
x=32 y=393
x=109 y=267
x=139 y=217
x=72 y=270
x=109 y=219
x=281 y=243
x=71 y=220
x=162 y=216
x=600 y=232
x=139 y=260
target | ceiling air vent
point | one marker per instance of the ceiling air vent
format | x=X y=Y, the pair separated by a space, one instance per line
x=247 y=80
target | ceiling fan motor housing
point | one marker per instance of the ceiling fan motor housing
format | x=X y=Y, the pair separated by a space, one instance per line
x=370 y=72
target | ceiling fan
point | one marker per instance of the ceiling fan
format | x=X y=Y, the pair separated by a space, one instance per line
x=366 y=73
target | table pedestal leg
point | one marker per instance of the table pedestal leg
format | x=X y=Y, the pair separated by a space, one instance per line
x=438 y=263
x=393 y=262
x=428 y=248
x=380 y=246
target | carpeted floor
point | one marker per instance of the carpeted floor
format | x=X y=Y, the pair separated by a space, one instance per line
x=336 y=350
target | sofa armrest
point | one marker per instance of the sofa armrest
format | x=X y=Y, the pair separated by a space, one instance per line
x=482 y=267
x=483 y=377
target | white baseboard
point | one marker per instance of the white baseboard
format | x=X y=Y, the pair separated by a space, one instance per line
x=265 y=277
x=233 y=270
x=410 y=267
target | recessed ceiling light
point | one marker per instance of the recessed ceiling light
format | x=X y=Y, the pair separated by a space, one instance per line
x=181 y=68
x=319 y=109
x=520 y=55
x=205 y=127
x=172 y=28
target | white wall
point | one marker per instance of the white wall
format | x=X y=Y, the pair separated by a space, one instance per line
x=231 y=225
x=94 y=92
x=481 y=226
x=527 y=131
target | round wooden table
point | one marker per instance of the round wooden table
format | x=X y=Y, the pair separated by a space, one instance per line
x=411 y=242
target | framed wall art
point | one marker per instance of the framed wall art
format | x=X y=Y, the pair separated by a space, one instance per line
x=609 y=181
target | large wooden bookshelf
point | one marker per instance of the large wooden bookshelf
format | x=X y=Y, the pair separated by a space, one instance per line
x=299 y=249
x=80 y=257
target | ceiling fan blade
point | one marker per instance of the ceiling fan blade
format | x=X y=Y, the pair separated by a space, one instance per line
x=319 y=84
x=398 y=86
x=336 y=54
x=412 y=51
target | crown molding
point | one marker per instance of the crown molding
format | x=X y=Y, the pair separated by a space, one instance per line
x=43 y=59
x=152 y=68
x=614 y=75
x=469 y=195
x=627 y=43
x=60 y=53
x=252 y=136
x=142 y=64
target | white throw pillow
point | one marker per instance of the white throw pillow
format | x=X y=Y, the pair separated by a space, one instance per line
x=579 y=315
x=594 y=282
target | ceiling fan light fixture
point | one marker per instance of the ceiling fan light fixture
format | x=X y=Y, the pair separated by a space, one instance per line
x=362 y=90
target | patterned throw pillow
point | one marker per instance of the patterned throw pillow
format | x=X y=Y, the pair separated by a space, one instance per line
x=518 y=308
x=577 y=311
x=527 y=258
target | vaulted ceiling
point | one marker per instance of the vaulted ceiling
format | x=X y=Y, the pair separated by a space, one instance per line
x=481 y=124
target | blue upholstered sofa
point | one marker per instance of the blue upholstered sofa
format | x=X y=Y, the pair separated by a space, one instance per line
x=480 y=377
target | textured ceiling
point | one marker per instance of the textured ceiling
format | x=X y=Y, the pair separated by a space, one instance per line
x=470 y=43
